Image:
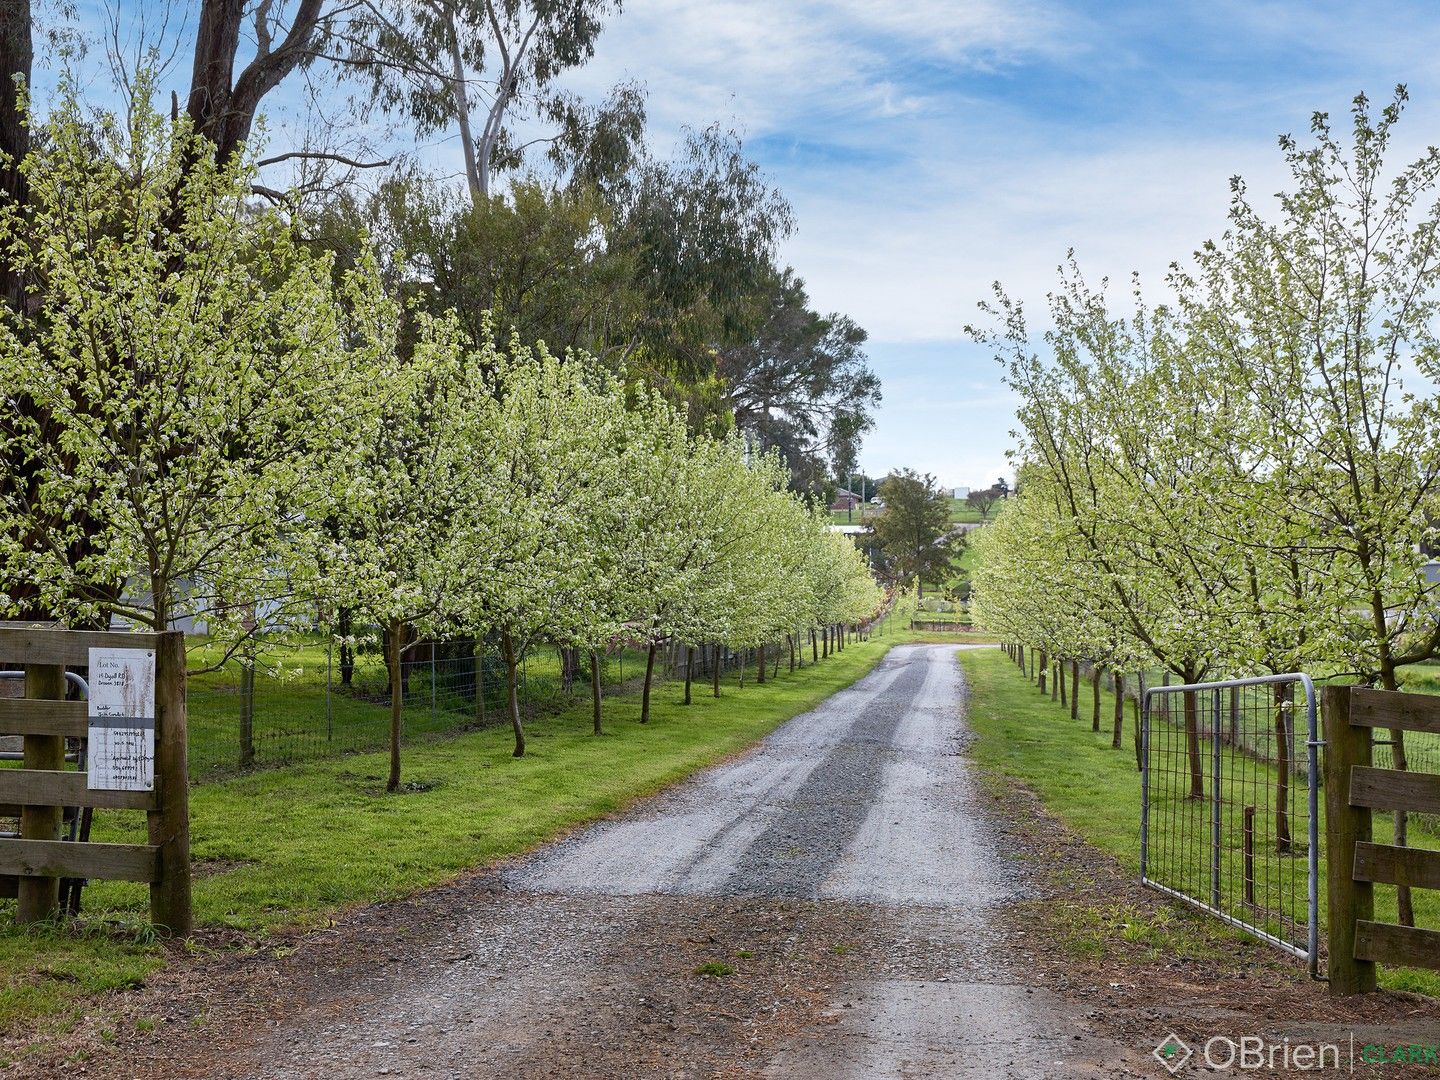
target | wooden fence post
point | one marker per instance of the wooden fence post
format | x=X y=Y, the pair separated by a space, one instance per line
x=170 y=820
x=39 y=897
x=1346 y=746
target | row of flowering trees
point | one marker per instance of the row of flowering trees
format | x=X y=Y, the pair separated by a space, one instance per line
x=1245 y=479
x=209 y=416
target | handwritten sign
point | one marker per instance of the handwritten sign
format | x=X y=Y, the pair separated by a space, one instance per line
x=122 y=719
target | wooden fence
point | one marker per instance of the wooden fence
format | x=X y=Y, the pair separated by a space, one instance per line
x=1354 y=790
x=38 y=793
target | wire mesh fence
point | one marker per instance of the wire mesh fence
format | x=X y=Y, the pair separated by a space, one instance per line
x=1229 y=807
x=311 y=699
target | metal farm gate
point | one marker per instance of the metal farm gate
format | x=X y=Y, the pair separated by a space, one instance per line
x=1229 y=804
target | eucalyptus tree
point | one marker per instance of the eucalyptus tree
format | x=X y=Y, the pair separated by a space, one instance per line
x=184 y=388
x=477 y=67
x=534 y=260
x=800 y=383
x=705 y=227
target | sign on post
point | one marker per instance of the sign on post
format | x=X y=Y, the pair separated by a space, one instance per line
x=122 y=720
x=134 y=720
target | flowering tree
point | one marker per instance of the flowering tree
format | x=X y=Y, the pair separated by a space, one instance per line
x=182 y=387
x=419 y=533
x=548 y=475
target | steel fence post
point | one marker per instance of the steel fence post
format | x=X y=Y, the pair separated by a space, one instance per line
x=1145 y=786
x=1313 y=743
x=1215 y=833
x=329 y=706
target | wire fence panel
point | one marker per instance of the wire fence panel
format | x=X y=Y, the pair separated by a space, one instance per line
x=1229 y=808
x=324 y=695
x=313 y=700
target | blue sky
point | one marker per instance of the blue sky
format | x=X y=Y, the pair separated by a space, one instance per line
x=931 y=147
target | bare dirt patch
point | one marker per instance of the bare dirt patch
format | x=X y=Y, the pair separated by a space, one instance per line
x=1146 y=966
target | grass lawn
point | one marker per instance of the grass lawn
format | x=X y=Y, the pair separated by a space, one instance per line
x=1096 y=789
x=292 y=846
x=293 y=724
x=960 y=635
x=962 y=512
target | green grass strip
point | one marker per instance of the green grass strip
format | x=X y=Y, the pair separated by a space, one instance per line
x=1095 y=789
x=295 y=846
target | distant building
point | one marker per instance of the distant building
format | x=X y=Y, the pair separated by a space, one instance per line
x=845 y=500
x=960 y=493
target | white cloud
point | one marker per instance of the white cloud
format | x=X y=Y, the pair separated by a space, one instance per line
x=765 y=64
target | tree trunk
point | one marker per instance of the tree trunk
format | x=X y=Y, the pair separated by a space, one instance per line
x=689 y=669
x=595 y=689
x=760 y=666
x=512 y=694
x=1074 y=689
x=397 y=701
x=649 y=677
x=1095 y=690
x=715 y=669
x=814 y=647
x=825 y=641
x=1282 y=769
x=347 y=650
x=1060 y=682
x=1041 y=666
x=1139 y=697
x=222 y=105
x=17 y=59
x=1055 y=681
x=1119 y=729
x=1192 y=739
x=790 y=640
x=569 y=668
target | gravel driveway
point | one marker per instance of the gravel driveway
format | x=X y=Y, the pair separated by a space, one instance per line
x=840 y=879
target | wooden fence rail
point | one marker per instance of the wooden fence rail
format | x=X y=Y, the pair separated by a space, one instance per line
x=1354 y=790
x=43 y=787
